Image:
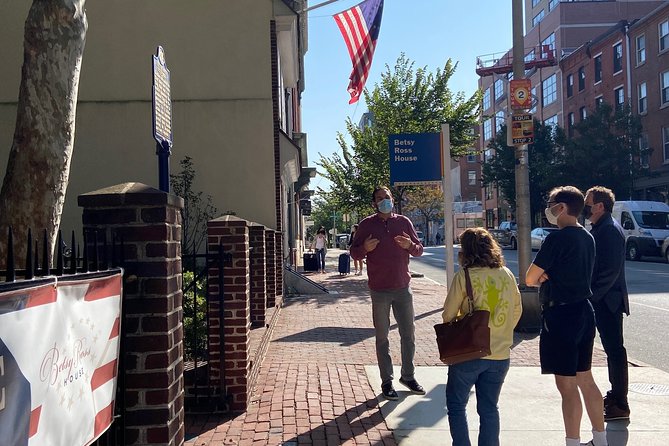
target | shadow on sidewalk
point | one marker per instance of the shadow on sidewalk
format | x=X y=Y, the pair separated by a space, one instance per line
x=344 y=336
x=354 y=422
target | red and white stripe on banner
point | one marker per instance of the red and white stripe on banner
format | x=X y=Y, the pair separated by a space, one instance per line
x=62 y=341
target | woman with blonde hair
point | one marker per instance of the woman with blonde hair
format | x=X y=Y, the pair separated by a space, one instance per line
x=494 y=289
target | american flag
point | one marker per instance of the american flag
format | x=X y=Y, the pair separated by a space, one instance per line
x=360 y=27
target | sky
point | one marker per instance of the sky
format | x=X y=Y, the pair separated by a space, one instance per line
x=429 y=32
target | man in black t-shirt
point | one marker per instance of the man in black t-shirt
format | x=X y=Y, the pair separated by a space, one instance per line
x=563 y=269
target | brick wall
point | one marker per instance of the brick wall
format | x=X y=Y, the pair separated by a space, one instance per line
x=149 y=222
x=258 y=274
x=232 y=234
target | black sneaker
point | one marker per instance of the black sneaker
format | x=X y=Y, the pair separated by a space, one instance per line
x=609 y=399
x=389 y=392
x=413 y=386
x=616 y=412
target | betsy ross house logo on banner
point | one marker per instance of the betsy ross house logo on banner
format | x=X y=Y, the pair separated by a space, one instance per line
x=59 y=347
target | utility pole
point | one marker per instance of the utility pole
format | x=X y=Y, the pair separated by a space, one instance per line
x=523 y=220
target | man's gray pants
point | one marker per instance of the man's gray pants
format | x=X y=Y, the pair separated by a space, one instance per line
x=401 y=302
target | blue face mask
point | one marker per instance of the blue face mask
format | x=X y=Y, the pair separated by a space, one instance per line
x=385 y=206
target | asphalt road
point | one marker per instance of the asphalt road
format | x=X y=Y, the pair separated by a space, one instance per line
x=647 y=282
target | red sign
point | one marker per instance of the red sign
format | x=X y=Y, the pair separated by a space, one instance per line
x=520 y=94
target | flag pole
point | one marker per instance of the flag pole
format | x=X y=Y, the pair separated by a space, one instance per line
x=319 y=5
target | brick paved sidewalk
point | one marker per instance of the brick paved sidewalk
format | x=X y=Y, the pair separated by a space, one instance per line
x=313 y=389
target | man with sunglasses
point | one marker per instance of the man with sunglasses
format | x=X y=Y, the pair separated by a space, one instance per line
x=609 y=296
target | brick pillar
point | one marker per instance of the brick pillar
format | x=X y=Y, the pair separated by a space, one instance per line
x=149 y=222
x=270 y=261
x=258 y=273
x=278 y=296
x=233 y=234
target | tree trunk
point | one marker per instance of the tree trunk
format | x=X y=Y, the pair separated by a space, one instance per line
x=33 y=190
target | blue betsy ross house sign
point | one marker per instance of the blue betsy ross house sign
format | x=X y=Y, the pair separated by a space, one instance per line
x=415 y=159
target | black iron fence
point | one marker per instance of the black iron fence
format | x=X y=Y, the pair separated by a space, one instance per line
x=202 y=393
x=84 y=260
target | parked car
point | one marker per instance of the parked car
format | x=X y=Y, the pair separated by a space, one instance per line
x=538 y=235
x=506 y=234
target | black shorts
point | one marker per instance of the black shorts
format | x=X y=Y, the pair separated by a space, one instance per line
x=567 y=338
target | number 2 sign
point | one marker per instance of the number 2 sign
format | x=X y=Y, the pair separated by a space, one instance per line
x=520 y=94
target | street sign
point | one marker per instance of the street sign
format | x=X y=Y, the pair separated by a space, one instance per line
x=521 y=129
x=520 y=94
x=415 y=159
x=162 y=99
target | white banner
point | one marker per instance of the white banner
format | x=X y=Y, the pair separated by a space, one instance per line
x=59 y=346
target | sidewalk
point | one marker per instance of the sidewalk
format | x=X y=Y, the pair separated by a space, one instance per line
x=319 y=383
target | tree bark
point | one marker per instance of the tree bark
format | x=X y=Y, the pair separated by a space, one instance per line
x=33 y=190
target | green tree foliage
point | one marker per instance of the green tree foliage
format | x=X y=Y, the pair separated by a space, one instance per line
x=407 y=100
x=198 y=208
x=544 y=162
x=428 y=202
x=195 y=316
x=604 y=151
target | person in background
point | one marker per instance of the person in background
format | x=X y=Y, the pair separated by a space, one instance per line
x=563 y=270
x=494 y=289
x=320 y=244
x=609 y=296
x=356 y=263
x=387 y=240
x=438 y=237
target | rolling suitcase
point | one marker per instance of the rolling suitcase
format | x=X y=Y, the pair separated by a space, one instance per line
x=310 y=261
x=344 y=263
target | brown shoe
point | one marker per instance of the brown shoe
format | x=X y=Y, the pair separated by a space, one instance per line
x=616 y=412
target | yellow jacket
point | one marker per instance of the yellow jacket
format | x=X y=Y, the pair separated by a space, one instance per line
x=495 y=290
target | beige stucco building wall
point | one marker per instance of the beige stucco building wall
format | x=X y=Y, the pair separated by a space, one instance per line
x=219 y=56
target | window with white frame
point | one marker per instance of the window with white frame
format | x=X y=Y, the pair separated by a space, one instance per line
x=533 y=99
x=487 y=155
x=619 y=97
x=644 y=157
x=538 y=18
x=535 y=3
x=663 y=32
x=499 y=120
x=552 y=4
x=665 y=143
x=471 y=157
x=640 y=49
x=549 y=90
x=471 y=177
x=571 y=120
x=642 y=94
x=499 y=89
x=487 y=129
x=552 y=121
x=486 y=99
x=583 y=113
x=664 y=87
x=618 y=57
x=570 y=85
x=599 y=100
x=548 y=42
x=598 y=68
x=581 y=78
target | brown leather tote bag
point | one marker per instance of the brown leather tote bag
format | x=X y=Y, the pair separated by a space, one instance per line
x=466 y=338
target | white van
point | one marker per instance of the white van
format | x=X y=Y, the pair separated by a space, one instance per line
x=645 y=224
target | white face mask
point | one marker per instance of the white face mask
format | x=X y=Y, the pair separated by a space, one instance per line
x=552 y=219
